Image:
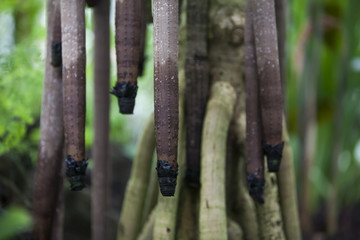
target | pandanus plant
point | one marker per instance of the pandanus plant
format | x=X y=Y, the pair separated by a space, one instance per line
x=215 y=51
x=128 y=32
x=74 y=60
x=166 y=92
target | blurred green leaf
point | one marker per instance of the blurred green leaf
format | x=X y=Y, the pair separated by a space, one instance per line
x=14 y=220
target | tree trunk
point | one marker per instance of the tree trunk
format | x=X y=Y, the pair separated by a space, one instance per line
x=99 y=176
x=219 y=111
x=49 y=173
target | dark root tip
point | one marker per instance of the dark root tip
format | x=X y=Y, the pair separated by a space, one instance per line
x=126 y=95
x=91 y=3
x=56 y=54
x=75 y=173
x=256 y=188
x=273 y=155
x=192 y=178
x=167 y=186
x=167 y=178
x=126 y=105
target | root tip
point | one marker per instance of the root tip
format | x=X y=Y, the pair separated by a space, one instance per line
x=126 y=95
x=75 y=172
x=256 y=188
x=273 y=155
x=167 y=178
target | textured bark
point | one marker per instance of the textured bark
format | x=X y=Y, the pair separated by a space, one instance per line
x=167 y=208
x=244 y=207
x=254 y=150
x=219 y=111
x=99 y=176
x=269 y=214
x=58 y=230
x=128 y=32
x=74 y=60
x=287 y=191
x=234 y=230
x=281 y=21
x=49 y=175
x=166 y=92
x=197 y=85
x=134 y=201
x=145 y=17
x=271 y=100
x=56 y=58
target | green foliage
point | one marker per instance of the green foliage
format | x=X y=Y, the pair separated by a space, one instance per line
x=14 y=220
x=20 y=93
x=337 y=90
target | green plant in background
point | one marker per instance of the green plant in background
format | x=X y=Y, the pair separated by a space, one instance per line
x=15 y=219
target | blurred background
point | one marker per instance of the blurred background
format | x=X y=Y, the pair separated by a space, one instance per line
x=322 y=96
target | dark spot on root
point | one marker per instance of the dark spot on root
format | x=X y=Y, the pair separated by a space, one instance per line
x=56 y=54
x=256 y=188
x=273 y=155
x=75 y=173
x=168 y=230
x=126 y=94
x=167 y=178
